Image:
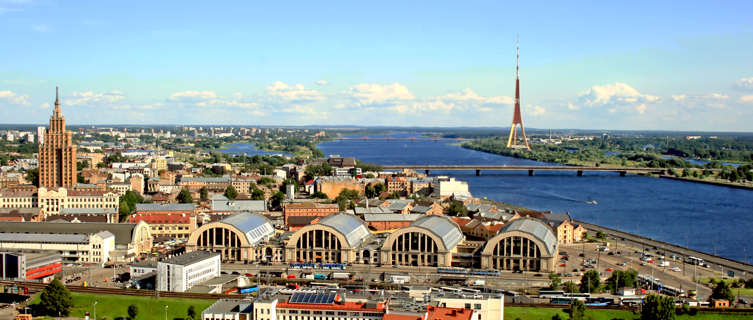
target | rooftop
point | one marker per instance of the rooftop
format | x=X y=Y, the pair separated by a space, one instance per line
x=165 y=207
x=190 y=258
x=442 y=227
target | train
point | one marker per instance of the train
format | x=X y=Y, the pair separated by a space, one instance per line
x=323 y=266
x=462 y=271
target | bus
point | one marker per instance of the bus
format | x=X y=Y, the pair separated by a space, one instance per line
x=672 y=291
x=450 y=289
x=452 y=270
x=332 y=266
x=302 y=265
x=630 y=301
x=694 y=261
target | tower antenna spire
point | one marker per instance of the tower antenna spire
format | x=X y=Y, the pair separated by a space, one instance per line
x=517 y=119
x=517 y=57
x=57 y=101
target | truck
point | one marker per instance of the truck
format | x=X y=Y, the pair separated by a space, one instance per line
x=309 y=276
x=340 y=276
x=397 y=279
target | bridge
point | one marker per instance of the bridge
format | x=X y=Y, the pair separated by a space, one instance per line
x=390 y=138
x=579 y=169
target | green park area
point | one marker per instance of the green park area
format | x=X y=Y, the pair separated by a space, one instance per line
x=114 y=306
x=533 y=313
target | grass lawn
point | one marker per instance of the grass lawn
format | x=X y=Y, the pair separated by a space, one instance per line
x=529 y=313
x=113 y=306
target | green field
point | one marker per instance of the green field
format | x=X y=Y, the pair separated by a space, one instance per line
x=529 y=313
x=113 y=306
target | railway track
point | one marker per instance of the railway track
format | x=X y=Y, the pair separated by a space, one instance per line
x=128 y=292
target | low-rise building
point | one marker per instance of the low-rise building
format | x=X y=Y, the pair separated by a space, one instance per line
x=170 y=208
x=74 y=240
x=167 y=226
x=299 y=214
x=222 y=205
x=26 y=266
x=181 y=272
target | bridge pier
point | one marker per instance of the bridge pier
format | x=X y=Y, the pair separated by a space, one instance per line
x=580 y=173
x=623 y=173
x=530 y=173
x=478 y=172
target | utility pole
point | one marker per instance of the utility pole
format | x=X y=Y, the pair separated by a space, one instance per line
x=95 y=310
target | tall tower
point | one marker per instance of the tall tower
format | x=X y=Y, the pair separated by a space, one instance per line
x=57 y=155
x=517 y=119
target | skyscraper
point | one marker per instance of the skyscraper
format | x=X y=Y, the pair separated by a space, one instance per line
x=57 y=155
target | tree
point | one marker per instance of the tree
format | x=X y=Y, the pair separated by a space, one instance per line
x=123 y=210
x=133 y=311
x=277 y=198
x=230 y=192
x=33 y=176
x=723 y=291
x=557 y=316
x=319 y=195
x=257 y=194
x=204 y=193
x=554 y=281
x=657 y=307
x=184 y=196
x=577 y=310
x=590 y=281
x=191 y=312
x=570 y=287
x=456 y=209
x=55 y=299
x=621 y=279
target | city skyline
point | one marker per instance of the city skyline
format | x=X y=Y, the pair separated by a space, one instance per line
x=638 y=67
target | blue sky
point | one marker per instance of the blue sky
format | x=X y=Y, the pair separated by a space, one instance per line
x=590 y=65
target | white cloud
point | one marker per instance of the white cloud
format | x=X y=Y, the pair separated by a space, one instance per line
x=614 y=94
x=322 y=82
x=93 y=99
x=572 y=106
x=191 y=95
x=535 y=111
x=44 y=106
x=679 y=97
x=745 y=83
x=369 y=94
x=641 y=108
x=295 y=92
x=14 y=98
x=746 y=98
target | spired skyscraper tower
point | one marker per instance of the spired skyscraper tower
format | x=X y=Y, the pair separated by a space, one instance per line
x=57 y=155
x=517 y=118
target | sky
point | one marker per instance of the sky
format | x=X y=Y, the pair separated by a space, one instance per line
x=636 y=65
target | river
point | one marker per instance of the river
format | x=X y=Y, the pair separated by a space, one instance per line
x=704 y=217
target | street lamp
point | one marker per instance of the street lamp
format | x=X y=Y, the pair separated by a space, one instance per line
x=95 y=310
x=165 y=312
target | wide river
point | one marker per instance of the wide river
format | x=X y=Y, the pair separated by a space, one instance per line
x=704 y=217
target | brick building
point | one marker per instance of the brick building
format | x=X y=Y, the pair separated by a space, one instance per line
x=299 y=214
x=57 y=155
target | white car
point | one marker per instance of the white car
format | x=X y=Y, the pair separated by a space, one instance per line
x=675 y=269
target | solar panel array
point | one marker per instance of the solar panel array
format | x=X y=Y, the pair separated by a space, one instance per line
x=313 y=298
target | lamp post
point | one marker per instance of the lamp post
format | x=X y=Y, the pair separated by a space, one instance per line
x=95 y=310
x=165 y=312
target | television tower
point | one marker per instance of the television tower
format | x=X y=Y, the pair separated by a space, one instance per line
x=517 y=119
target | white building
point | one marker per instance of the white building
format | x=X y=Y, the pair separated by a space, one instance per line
x=81 y=248
x=448 y=187
x=485 y=307
x=180 y=273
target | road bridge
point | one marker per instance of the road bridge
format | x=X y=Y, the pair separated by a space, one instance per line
x=531 y=169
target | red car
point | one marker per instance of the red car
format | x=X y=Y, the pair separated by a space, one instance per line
x=249 y=275
x=291 y=276
x=610 y=269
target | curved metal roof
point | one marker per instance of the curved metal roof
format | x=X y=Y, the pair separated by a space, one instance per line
x=442 y=227
x=535 y=228
x=353 y=228
x=256 y=227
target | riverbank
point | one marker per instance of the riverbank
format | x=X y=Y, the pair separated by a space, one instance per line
x=711 y=182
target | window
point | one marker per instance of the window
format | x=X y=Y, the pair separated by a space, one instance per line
x=477 y=306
